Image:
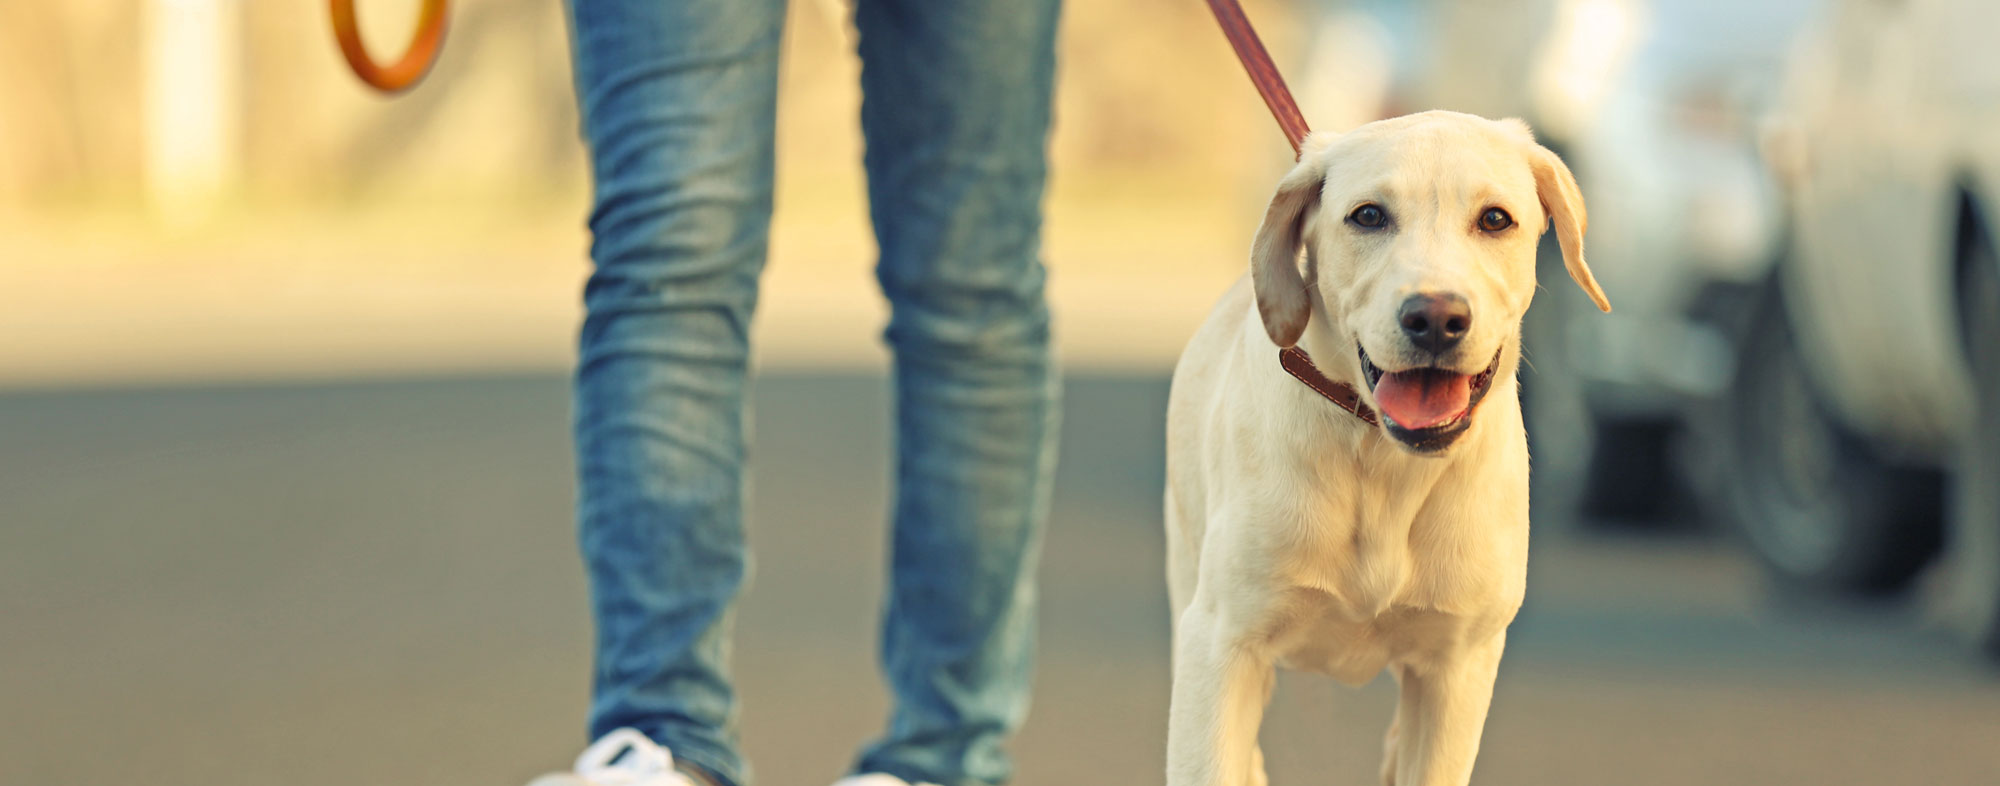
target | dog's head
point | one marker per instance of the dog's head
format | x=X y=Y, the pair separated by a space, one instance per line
x=1419 y=235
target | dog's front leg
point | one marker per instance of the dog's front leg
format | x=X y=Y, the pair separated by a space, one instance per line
x=1221 y=684
x=1442 y=713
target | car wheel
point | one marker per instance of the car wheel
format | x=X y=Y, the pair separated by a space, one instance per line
x=1592 y=470
x=1813 y=502
x=1632 y=478
x=1975 y=514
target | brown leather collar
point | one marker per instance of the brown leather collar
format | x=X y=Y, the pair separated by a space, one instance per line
x=1299 y=364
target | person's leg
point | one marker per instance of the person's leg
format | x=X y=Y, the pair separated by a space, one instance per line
x=678 y=101
x=956 y=113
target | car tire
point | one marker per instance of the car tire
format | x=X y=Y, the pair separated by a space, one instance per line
x=1812 y=501
x=1975 y=507
x=1592 y=470
x=1633 y=480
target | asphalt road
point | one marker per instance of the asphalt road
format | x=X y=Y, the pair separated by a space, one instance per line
x=376 y=583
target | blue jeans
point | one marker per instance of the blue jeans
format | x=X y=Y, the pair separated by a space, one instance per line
x=678 y=99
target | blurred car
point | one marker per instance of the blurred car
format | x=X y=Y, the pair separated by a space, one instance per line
x=1655 y=105
x=1866 y=390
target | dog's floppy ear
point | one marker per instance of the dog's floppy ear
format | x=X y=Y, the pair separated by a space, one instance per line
x=1564 y=203
x=1282 y=300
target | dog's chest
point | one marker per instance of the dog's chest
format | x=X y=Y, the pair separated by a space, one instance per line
x=1323 y=637
x=1358 y=603
x=1345 y=616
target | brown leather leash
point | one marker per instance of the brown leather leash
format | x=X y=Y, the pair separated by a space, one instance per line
x=1263 y=73
x=416 y=60
x=1271 y=85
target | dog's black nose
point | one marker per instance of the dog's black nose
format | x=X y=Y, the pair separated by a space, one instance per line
x=1435 y=322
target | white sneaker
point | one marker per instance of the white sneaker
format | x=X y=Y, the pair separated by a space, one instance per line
x=624 y=757
x=876 y=779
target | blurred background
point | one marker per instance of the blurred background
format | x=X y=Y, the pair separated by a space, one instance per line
x=285 y=481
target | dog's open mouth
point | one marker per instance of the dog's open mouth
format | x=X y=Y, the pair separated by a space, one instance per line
x=1426 y=408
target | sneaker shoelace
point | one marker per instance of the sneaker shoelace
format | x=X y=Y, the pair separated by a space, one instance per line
x=627 y=757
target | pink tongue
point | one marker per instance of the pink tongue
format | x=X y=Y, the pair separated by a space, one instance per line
x=1424 y=397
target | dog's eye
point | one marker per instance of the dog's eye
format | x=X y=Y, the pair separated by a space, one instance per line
x=1368 y=217
x=1495 y=219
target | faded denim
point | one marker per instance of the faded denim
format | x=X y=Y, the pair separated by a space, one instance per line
x=678 y=101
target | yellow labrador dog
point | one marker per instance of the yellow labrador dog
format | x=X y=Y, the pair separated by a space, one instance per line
x=1347 y=475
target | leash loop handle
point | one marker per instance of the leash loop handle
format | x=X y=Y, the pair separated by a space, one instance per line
x=1263 y=73
x=405 y=72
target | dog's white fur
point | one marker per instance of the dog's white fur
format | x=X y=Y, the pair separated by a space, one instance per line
x=1299 y=535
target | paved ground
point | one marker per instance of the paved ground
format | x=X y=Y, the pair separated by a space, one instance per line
x=376 y=584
